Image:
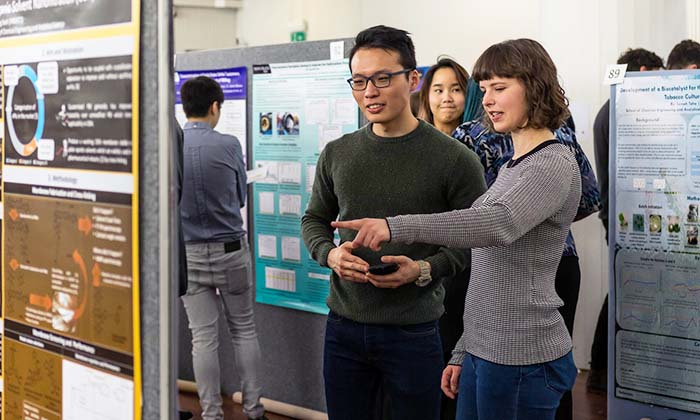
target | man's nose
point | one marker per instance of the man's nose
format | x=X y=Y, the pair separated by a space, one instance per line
x=371 y=90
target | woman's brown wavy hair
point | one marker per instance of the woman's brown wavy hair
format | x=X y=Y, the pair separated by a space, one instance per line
x=527 y=61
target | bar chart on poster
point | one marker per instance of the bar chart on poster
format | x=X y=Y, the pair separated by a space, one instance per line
x=655 y=258
x=70 y=346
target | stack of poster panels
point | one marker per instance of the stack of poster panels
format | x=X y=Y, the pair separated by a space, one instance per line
x=654 y=217
x=70 y=229
x=297 y=109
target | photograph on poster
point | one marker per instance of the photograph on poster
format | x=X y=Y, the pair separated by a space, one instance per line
x=287 y=124
x=691 y=233
x=692 y=213
x=674 y=225
x=266 y=123
x=654 y=223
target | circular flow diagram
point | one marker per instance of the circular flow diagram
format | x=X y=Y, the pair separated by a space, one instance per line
x=23 y=147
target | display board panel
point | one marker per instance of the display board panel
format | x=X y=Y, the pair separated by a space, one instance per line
x=291 y=340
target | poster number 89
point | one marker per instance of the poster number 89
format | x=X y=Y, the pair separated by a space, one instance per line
x=614 y=74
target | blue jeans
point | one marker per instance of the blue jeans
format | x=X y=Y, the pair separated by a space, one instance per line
x=211 y=268
x=405 y=360
x=501 y=392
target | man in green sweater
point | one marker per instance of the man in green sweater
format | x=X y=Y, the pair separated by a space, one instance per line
x=382 y=330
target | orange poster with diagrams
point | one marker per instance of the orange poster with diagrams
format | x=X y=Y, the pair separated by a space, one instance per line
x=70 y=283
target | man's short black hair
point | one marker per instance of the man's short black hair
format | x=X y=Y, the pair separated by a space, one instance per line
x=636 y=58
x=685 y=53
x=388 y=39
x=198 y=94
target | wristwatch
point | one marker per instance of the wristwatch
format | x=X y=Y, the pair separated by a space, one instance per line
x=424 y=278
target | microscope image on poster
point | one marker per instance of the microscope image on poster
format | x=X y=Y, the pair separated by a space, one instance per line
x=287 y=124
x=266 y=123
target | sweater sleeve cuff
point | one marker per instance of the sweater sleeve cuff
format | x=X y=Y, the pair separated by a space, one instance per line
x=438 y=265
x=457 y=358
x=400 y=229
x=325 y=249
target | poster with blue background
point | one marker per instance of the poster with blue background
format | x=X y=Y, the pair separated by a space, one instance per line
x=297 y=109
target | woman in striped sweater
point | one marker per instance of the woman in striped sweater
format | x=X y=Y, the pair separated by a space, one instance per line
x=514 y=358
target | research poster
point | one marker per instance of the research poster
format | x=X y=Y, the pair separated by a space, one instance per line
x=656 y=256
x=297 y=109
x=70 y=300
x=2 y=124
x=233 y=111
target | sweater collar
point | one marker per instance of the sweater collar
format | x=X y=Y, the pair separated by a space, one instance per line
x=401 y=139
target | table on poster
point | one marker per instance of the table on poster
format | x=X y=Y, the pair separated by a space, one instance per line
x=655 y=243
x=70 y=170
x=297 y=109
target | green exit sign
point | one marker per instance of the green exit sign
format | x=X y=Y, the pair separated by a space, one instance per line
x=298 y=36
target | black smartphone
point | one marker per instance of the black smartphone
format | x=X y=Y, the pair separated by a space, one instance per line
x=383 y=269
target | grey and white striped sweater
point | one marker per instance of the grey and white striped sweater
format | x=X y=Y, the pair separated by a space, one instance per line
x=516 y=231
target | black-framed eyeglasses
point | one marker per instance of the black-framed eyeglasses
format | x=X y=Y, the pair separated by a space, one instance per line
x=379 y=80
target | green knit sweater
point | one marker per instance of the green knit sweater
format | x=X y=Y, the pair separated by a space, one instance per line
x=364 y=175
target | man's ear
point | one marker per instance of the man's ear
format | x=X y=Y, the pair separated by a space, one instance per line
x=212 y=108
x=414 y=79
x=643 y=68
x=693 y=66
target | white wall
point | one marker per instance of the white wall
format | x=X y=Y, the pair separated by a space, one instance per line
x=204 y=28
x=582 y=36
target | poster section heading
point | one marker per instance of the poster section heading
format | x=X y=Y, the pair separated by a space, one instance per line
x=232 y=81
x=658 y=163
x=297 y=109
x=29 y=17
x=656 y=258
x=233 y=118
x=73 y=114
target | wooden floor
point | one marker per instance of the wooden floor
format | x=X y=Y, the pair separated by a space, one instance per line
x=587 y=405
